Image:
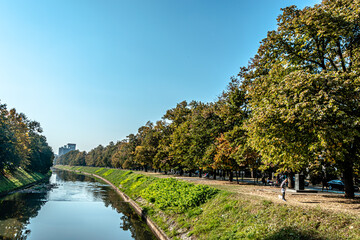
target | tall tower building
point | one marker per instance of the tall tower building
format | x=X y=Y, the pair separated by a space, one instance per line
x=67 y=148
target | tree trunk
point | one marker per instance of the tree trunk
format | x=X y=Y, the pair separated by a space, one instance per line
x=348 y=180
x=231 y=175
x=200 y=173
x=214 y=172
x=254 y=174
x=291 y=180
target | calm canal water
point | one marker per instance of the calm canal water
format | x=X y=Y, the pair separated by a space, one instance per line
x=72 y=206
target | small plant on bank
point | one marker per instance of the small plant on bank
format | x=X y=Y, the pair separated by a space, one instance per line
x=171 y=194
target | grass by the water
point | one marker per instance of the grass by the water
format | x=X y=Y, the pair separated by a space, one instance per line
x=183 y=210
x=13 y=180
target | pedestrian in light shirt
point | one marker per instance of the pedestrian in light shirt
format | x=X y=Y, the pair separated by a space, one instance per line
x=283 y=188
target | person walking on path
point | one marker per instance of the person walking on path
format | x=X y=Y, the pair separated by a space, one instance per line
x=283 y=188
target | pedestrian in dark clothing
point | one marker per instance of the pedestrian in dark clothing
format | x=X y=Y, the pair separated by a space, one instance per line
x=263 y=180
x=324 y=184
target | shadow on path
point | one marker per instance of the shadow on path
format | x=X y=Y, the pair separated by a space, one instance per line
x=293 y=234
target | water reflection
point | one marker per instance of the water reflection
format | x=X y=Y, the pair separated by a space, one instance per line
x=15 y=212
x=78 y=207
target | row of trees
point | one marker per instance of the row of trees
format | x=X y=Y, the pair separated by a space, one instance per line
x=21 y=143
x=295 y=107
x=190 y=137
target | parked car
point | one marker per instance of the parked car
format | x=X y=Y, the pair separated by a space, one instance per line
x=338 y=184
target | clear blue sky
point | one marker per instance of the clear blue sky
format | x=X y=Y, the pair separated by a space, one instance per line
x=92 y=72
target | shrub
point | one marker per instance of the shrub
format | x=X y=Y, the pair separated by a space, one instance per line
x=171 y=194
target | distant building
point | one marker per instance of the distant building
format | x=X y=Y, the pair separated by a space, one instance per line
x=55 y=158
x=67 y=148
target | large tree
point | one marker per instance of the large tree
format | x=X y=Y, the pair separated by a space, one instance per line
x=168 y=148
x=41 y=154
x=303 y=88
x=148 y=144
x=21 y=144
x=234 y=111
x=162 y=159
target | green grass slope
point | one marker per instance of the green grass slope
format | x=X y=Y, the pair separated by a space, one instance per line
x=17 y=179
x=183 y=209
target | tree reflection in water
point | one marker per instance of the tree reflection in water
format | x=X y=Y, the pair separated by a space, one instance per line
x=130 y=220
x=17 y=209
x=15 y=212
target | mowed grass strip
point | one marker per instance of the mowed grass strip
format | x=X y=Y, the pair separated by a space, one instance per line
x=218 y=214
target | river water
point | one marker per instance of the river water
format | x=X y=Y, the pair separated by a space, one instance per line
x=70 y=207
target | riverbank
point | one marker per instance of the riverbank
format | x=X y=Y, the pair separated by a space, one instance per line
x=19 y=179
x=222 y=214
x=154 y=228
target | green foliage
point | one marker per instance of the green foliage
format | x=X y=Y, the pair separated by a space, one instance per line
x=133 y=183
x=294 y=107
x=73 y=158
x=303 y=88
x=171 y=194
x=194 y=212
x=21 y=144
x=145 y=152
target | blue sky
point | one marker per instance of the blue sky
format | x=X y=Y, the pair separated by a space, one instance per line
x=92 y=72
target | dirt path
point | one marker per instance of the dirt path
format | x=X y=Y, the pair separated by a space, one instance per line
x=324 y=200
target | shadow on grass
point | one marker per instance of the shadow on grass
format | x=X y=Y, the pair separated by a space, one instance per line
x=293 y=234
x=22 y=176
x=311 y=202
x=17 y=179
x=342 y=199
x=6 y=184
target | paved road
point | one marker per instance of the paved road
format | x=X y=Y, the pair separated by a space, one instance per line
x=330 y=191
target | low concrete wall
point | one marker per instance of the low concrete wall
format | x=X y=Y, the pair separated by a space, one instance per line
x=154 y=228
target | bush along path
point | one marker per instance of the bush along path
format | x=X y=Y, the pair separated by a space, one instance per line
x=18 y=179
x=187 y=211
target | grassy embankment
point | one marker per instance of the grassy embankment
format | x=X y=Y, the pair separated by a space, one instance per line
x=18 y=179
x=183 y=209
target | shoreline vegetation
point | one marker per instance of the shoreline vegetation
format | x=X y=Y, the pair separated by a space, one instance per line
x=19 y=179
x=25 y=156
x=194 y=211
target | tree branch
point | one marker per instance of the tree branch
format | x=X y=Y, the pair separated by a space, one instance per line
x=341 y=55
x=289 y=49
